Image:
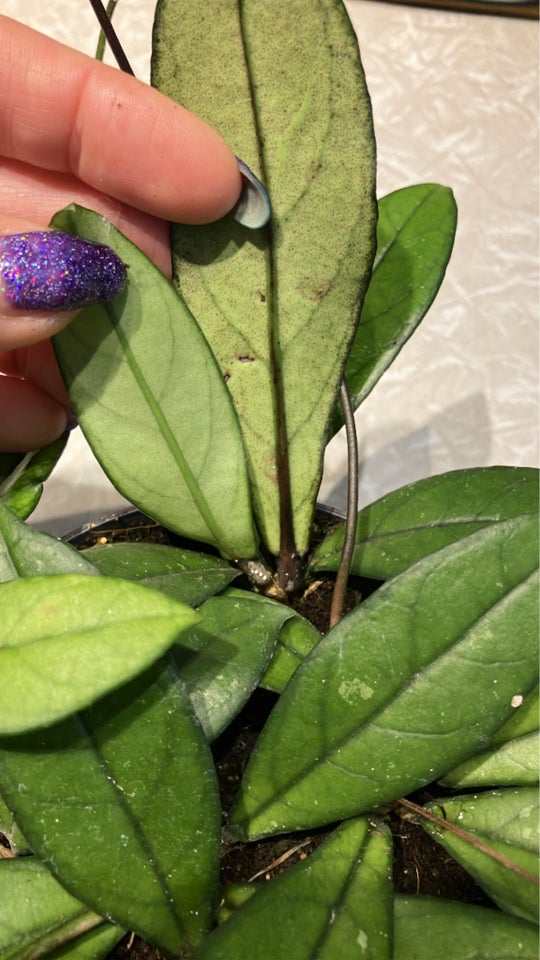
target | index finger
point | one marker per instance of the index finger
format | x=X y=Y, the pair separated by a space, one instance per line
x=65 y=112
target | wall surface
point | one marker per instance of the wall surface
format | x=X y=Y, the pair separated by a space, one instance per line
x=455 y=102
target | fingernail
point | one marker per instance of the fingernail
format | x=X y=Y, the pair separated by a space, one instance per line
x=253 y=208
x=50 y=270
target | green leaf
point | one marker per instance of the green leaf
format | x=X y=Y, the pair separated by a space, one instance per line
x=37 y=915
x=415 y=234
x=422 y=517
x=278 y=308
x=337 y=903
x=121 y=802
x=26 y=552
x=524 y=718
x=235 y=642
x=152 y=402
x=94 y=945
x=426 y=928
x=513 y=763
x=69 y=639
x=507 y=821
x=22 y=476
x=408 y=685
x=297 y=638
x=8 y=828
x=184 y=575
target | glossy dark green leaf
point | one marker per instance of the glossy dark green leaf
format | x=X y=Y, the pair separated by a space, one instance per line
x=97 y=944
x=121 y=802
x=69 y=639
x=278 y=308
x=235 y=641
x=184 y=575
x=516 y=762
x=152 y=402
x=26 y=552
x=524 y=718
x=404 y=688
x=37 y=915
x=415 y=235
x=422 y=517
x=337 y=903
x=429 y=929
x=512 y=755
x=507 y=821
x=22 y=476
x=297 y=638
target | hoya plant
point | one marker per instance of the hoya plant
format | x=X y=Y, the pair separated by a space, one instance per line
x=209 y=403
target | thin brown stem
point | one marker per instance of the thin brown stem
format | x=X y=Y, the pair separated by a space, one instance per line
x=340 y=588
x=469 y=837
x=111 y=36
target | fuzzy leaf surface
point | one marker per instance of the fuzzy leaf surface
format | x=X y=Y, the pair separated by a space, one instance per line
x=26 y=552
x=121 y=802
x=279 y=308
x=184 y=575
x=506 y=820
x=37 y=915
x=22 y=476
x=415 y=235
x=69 y=639
x=399 y=529
x=337 y=903
x=402 y=689
x=426 y=928
x=152 y=403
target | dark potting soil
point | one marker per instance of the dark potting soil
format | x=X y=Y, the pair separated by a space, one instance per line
x=420 y=865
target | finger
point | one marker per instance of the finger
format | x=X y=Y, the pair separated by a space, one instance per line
x=38 y=364
x=66 y=112
x=30 y=418
x=46 y=277
x=36 y=195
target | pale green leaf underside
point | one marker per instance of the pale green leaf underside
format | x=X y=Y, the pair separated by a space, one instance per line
x=152 y=402
x=279 y=308
x=69 y=639
x=121 y=802
x=424 y=516
x=506 y=820
x=336 y=904
x=404 y=688
x=429 y=929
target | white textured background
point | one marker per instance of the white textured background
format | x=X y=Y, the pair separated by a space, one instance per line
x=455 y=101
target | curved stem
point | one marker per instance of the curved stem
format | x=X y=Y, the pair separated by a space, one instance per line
x=338 y=598
x=469 y=837
x=111 y=36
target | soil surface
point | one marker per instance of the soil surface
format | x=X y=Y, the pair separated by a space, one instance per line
x=421 y=866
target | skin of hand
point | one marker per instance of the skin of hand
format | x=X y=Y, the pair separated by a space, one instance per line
x=71 y=130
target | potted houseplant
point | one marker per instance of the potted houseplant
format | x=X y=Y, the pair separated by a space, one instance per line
x=209 y=403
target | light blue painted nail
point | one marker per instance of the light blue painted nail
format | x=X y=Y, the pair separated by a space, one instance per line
x=253 y=209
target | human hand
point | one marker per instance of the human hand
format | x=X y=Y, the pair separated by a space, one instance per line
x=73 y=129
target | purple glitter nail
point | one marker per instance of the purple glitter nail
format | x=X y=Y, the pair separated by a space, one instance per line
x=49 y=270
